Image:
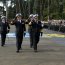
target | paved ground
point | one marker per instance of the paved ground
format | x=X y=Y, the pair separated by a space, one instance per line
x=51 y=51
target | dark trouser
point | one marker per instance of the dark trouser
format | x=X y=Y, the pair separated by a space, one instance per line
x=56 y=28
x=49 y=26
x=41 y=33
x=19 y=39
x=31 y=39
x=62 y=29
x=36 y=37
x=3 y=37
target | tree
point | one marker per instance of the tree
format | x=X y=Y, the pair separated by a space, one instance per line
x=54 y=8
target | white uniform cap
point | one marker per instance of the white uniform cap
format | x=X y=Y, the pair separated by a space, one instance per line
x=3 y=17
x=19 y=14
x=36 y=15
x=31 y=15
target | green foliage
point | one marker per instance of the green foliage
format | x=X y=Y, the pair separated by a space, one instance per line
x=56 y=8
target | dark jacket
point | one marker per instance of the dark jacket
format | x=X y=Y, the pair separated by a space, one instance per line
x=35 y=27
x=4 y=27
x=20 y=27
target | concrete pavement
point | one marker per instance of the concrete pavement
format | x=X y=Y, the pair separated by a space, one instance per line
x=51 y=51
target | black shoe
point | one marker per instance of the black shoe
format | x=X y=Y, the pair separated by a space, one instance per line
x=17 y=51
x=2 y=45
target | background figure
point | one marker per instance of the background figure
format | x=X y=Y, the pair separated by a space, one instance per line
x=36 y=27
x=49 y=24
x=20 y=28
x=5 y=28
x=30 y=20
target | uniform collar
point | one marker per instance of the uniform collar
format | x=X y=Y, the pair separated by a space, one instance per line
x=19 y=21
